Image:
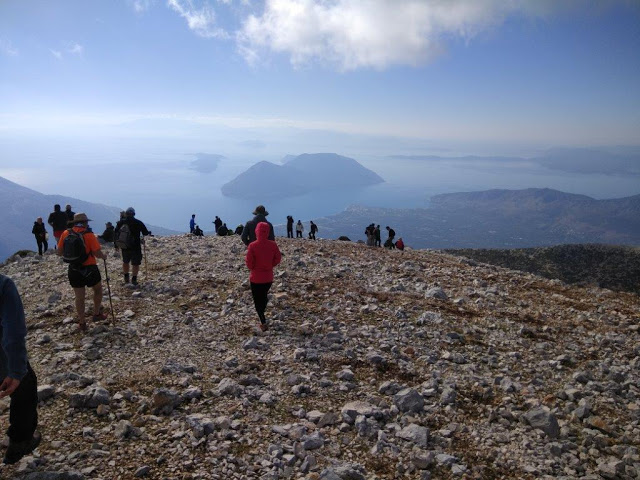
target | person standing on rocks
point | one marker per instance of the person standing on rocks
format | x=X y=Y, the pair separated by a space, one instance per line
x=262 y=255
x=392 y=233
x=289 y=226
x=40 y=232
x=69 y=213
x=127 y=237
x=83 y=270
x=58 y=221
x=376 y=234
x=249 y=232
x=192 y=223
x=313 y=230
x=299 y=229
x=18 y=378
x=217 y=223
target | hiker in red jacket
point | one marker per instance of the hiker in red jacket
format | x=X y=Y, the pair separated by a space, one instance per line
x=262 y=256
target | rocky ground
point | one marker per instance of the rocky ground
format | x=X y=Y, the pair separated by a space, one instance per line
x=378 y=364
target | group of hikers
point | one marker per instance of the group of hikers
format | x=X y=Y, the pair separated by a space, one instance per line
x=80 y=247
x=372 y=233
x=222 y=230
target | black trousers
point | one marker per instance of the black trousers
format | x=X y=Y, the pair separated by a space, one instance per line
x=41 y=242
x=23 y=411
x=260 y=298
x=298 y=234
x=289 y=232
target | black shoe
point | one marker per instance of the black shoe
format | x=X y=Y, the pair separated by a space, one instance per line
x=134 y=280
x=17 y=450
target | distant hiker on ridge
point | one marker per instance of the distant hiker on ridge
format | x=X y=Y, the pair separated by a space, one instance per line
x=40 y=233
x=223 y=231
x=392 y=233
x=312 y=230
x=400 y=244
x=127 y=237
x=18 y=379
x=289 y=226
x=192 y=223
x=79 y=247
x=58 y=221
x=70 y=213
x=369 y=232
x=249 y=231
x=107 y=235
x=217 y=223
x=376 y=234
x=262 y=255
x=197 y=231
x=239 y=229
x=299 y=229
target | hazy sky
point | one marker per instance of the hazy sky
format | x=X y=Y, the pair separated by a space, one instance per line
x=548 y=72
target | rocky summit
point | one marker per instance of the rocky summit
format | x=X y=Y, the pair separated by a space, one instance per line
x=378 y=365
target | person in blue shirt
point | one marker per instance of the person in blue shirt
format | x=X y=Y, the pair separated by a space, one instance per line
x=192 y=223
x=19 y=381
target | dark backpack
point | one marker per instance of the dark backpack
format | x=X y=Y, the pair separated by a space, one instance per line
x=125 y=239
x=73 y=248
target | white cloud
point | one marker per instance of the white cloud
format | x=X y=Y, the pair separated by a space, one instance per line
x=201 y=20
x=6 y=48
x=140 y=6
x=75 y=49
x=354 y=34
x=56 y=53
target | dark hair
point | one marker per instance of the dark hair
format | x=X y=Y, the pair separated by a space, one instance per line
x=56 y=207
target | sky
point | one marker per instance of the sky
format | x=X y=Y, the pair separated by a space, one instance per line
x=540 y=73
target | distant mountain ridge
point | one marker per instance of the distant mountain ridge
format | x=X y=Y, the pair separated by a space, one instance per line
x=299 y=175
x=605 y=266
x=499 y=219
x=22 y=205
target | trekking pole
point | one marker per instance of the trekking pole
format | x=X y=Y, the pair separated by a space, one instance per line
x=106 y=275
x=144 y=248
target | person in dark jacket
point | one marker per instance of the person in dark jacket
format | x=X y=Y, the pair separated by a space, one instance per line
x=313 y=229
x=18 y=378
x=197 y=231
x=239 y=229
x=40 y=232
x=217 y=223
x=262 y=255
x=69 y=213
x=249 y=232
x=376 y=234
x=392 y=233
x=107 y=235
x=58 y=221
x=223 y=231
x=133 y=253
x=289 y=226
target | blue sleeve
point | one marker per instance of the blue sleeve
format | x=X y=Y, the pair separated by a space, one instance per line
x=14 y=329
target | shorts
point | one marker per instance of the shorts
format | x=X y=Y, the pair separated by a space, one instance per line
x=84 y=276
x=133 y=256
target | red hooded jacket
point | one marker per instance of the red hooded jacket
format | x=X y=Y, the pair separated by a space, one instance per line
x=262 y=255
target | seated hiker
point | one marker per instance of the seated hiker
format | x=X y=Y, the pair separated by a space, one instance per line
x=239 y=229
x=400 y=244
x=223 y=231
x=107 y=235
x=197 y=231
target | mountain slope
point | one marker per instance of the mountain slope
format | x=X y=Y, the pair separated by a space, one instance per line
x=21 y=206
x=302 y=174
x=499 y=219
x=377 y=365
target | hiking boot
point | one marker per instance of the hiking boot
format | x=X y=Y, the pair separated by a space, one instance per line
x=264 y=327
x=82 y=327
x=134 y=280
x=100 y=316
x=17 y=450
